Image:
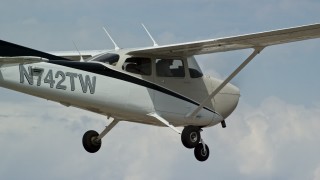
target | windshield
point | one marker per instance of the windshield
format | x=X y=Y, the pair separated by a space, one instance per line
x=194 y=69
x=108 y=58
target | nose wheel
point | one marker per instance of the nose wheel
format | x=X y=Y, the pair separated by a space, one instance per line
x=191 y=138
x=201 y=152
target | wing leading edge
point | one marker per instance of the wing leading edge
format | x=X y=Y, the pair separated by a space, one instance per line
x=262 y=39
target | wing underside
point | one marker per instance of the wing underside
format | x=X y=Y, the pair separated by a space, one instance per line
x=262 y=39
x=21 y=60
x=76 y=56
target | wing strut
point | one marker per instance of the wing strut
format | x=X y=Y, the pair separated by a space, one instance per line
x=107 y=129
x=165 y=122
x=256 y=51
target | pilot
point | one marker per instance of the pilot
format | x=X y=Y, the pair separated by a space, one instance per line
x=163 y=67
x=144 y=66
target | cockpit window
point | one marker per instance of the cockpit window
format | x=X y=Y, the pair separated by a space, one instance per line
x=108 y=58
x=194 y=69
x=138 y=65
x=169 y=68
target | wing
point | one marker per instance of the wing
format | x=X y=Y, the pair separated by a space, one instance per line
x=8 y=49
x=262 y=39
x=21 y=60
x=74 y=55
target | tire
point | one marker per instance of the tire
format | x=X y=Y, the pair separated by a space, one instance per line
x=200 y=154
x=89 y=143
x=190 y=136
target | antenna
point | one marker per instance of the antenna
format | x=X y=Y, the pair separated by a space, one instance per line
x=116 y=47
x=81 y=58
x=154 y=42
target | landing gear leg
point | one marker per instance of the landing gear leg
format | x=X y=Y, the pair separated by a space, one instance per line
x=91 y=140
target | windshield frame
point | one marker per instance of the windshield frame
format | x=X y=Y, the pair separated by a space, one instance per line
x=194 y=68
x=107 y=58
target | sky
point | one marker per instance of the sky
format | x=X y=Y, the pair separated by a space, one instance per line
x=273 y=133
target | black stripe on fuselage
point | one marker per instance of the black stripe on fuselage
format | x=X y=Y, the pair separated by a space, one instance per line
x=103 y=70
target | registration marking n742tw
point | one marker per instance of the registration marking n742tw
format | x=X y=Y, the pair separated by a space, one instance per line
x=57 y=79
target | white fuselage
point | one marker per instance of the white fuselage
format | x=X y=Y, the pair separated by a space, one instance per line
x=122 y=95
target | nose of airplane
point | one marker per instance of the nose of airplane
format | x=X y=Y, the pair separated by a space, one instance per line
x=233 y=89
x=227 y=100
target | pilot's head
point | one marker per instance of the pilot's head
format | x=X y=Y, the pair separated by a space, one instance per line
x=167 y=61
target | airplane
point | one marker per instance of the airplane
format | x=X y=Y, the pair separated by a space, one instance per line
x=159 y=85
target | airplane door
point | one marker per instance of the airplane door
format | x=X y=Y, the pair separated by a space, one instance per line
x=183 y=77
x=170 y=75
x=184 y=88
x=140 y=98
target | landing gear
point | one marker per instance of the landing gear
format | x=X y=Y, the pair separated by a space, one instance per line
x=91 y=140
x=201 y=152
x=191 y=138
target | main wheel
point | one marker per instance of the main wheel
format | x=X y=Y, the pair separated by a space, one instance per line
x=200 y=153
x=89 y=141
x=190 y=136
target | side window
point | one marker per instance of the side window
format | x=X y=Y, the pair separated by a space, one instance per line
x=138 y=65
x=169 y=68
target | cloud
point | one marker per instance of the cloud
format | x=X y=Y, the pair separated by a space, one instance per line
x=254 y=149
x=317 y=174
x=48 y=136
x=267 y=141
x=272 y=138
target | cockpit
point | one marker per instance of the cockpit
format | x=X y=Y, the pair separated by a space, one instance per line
x=161 y=67
x=178 y=75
